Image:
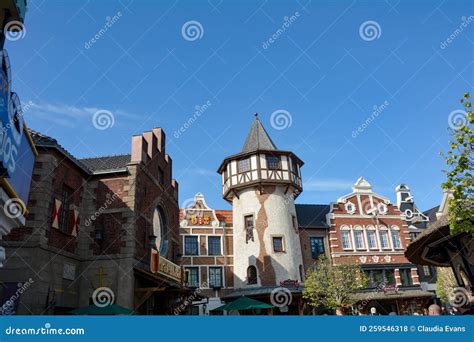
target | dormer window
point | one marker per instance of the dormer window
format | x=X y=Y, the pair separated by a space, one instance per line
x=273 y=162
x=244 y=165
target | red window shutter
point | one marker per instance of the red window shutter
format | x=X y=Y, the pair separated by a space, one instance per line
x=56 y=213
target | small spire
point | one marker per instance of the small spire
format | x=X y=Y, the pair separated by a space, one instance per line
x=258 y=138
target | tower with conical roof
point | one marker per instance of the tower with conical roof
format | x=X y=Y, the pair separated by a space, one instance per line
x=261 y=182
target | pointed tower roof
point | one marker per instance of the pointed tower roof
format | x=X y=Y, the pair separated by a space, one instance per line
x=258 y=138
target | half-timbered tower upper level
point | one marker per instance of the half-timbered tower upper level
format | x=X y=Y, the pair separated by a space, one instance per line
x=260 y=164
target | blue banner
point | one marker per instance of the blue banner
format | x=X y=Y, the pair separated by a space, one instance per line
x=236 y=328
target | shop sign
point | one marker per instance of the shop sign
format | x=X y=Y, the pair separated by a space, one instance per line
x=161 y=265
x=290 y=283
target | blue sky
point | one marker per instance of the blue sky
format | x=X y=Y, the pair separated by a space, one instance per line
x=323 y=72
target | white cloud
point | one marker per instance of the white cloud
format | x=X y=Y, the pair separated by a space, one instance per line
x=329 y=184
x=69 y=116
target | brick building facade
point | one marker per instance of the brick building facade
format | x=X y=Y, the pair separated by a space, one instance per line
x=207 y=252
x=93 y=223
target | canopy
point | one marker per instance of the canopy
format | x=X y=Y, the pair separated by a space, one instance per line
x=112 y=309
x=243 y=303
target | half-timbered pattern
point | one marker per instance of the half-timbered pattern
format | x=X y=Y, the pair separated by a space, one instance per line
x=259 y=164
x=262 y=182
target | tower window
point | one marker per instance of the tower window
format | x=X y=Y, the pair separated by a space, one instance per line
x=244 y=165
x=294 y=167
x=278 y=244
x=251 y=275
x=248 y=220
x=273 y=163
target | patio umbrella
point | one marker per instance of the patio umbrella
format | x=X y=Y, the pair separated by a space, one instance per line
x=109 y=310
x=243 y=303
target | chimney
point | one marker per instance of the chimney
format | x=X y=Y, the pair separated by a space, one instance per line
x=152 y=142
x=139 y=149
x=160 y=135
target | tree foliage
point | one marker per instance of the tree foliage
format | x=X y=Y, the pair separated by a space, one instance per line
x=333 y=286
x=460 y=159
x=445 y=283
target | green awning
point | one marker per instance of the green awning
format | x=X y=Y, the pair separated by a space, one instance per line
x=243 y=303
x=108 y=310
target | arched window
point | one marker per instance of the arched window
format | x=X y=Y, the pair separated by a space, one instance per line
x=160 y=230
x=251 y=275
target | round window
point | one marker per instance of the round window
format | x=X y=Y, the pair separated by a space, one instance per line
x=160 y=230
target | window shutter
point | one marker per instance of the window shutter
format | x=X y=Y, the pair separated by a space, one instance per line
x=75 y=222
x=56 y=213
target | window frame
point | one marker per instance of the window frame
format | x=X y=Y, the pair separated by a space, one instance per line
x=185 y=244
x=253 y=267
x=372 y=232
x=64 y=216
x=271 y=164
x=239 y=165
x=386 y=233
x=214 y=268
x=282 y=239
x=349 y=240
x=358 y=232
x=214 y=237
x=405 y=272
x=198 y=274
x=319 y=253
x=396 y=232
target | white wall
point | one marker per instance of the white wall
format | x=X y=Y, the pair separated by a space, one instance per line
x=279 y=209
